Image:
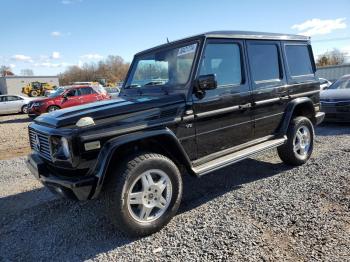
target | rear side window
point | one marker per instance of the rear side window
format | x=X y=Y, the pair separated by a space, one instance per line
x=298 y=60
x=264 y=62
x=223 y=60
x=86 y=91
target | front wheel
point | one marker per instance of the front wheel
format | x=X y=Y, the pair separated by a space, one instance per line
x=299 y=146
x=52 y=108
x=34 y=93
x=143 y=194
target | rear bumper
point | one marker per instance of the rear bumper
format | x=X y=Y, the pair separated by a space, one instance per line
x=80 y=188
x=319 y=117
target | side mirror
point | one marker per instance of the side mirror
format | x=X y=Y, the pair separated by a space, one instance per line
x=207 y=82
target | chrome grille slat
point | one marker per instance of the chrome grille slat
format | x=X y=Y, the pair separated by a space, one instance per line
x=44 y=151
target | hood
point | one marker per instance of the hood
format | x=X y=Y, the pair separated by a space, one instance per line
x=333 y=95
x=107 y=109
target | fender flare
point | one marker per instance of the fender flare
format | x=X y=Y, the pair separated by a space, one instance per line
x=290 y=111
x=111 y=146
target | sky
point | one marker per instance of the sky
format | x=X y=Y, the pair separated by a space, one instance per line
x=47 y=36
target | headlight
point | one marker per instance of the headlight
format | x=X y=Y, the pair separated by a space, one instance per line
x=60 y=148
x=37 y=104
x=65 y=147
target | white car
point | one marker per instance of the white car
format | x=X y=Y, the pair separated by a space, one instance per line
x=14 y=104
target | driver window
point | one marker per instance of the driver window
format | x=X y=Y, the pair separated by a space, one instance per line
x=223 y=60
x=72 y=92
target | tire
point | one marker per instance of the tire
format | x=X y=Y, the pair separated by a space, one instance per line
x=299 y=146
x=24 y=109
x=52 y=108
x=123 y=205
x=34 y=93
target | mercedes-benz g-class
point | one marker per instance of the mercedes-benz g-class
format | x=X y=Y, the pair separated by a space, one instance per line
x=189 y=106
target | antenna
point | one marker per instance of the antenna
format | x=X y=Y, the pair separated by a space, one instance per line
x=167 y=40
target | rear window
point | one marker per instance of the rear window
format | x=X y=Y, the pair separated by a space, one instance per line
x=264 y=62
x=298 y=60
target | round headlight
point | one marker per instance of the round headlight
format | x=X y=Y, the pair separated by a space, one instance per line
x=65 y=147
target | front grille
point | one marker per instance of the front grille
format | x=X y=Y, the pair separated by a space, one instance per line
x=40 y=143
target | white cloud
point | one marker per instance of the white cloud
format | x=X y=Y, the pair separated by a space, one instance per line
x=22 y=58
x=12 y=65
x=55 y=55
x=317 y=26
x=68 y=2
x=91 y=56
x=56 y=33
x=51 y=65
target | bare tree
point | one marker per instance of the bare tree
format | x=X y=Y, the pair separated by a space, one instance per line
x=27 y=72
x=334 y=57
x=5 y=71
x=113 y=69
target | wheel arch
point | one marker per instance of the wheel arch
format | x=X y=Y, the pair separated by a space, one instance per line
x=302 y=106
x=161 y=141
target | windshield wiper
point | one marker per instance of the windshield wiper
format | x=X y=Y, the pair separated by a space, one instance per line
x=131 y=86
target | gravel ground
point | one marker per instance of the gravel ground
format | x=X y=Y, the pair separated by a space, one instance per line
x=259 y=209
x=14 y=136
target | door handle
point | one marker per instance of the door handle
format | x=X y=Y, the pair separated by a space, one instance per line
x=245 y=106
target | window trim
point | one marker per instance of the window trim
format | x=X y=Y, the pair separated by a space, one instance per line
x=240 y=45
x=268 y=83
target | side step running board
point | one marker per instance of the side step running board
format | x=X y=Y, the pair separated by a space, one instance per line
x=229 y=159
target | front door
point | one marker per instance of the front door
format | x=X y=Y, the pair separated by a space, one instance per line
x=222 y=117
x=72 y=98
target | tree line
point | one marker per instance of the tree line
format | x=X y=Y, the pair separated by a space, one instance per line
x=113 y=69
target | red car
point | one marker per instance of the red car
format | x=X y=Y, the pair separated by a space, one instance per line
x=65 y=97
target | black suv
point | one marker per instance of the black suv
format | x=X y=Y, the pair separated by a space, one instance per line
x=193 y=105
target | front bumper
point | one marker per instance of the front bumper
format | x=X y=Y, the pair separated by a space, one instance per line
x=319 y=117
x=336 y=112
x=80 y=188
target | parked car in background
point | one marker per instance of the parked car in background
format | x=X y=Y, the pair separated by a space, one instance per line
x=324 y=83
x=335 y=100
x=65 y=97
x=113 y=91
x=14 y=104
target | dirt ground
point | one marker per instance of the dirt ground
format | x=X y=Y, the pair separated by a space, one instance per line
x=14 y=136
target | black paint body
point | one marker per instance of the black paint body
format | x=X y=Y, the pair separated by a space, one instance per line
x=189 y=128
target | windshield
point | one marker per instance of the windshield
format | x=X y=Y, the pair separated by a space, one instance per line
x=343 y=83
x=57 y=92
x=170 y=67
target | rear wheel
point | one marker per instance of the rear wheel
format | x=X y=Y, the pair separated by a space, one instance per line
x=144 y=194
x=24 y=109
x=52 y=108
x=299 y=146
x=34 y=93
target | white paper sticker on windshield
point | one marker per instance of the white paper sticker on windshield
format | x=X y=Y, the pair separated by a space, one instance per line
x=187 y=50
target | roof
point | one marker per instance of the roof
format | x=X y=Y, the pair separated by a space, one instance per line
x=255 y=35
x=238 y=35
x=14 y=76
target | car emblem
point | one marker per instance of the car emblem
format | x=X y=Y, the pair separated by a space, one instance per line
x=36 y=142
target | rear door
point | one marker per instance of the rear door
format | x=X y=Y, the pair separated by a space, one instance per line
x=88 y=95
x=220 y=120
x=268 y=81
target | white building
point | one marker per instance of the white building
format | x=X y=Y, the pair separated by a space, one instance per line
x=13 y=84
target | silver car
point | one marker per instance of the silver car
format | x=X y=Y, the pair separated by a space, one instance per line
x=14 y=104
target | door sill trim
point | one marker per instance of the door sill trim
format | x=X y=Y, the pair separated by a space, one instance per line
x=237 y=156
